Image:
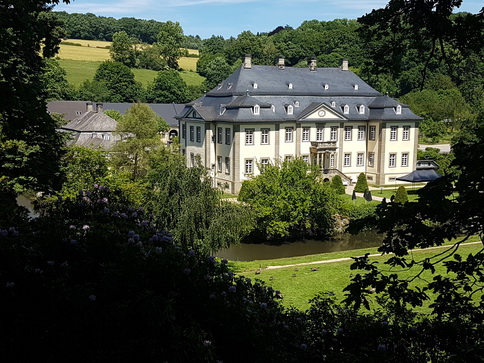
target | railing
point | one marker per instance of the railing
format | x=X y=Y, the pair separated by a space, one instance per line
x=324 y=145
x=334 y=171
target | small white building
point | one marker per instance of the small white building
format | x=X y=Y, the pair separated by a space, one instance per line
x=327 y=116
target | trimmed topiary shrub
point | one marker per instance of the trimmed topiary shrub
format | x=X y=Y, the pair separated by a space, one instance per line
x=361 y=184
x=401 y=195
x=337 y=185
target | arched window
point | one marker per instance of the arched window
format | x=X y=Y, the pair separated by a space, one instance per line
x=289 y=85
x=398 y=110
x=361 y=109
x=346 y=109
x=326 y=86
x=333 y=103
x=256 y=110
x=290 y=109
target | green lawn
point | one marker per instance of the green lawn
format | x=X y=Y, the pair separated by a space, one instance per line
x=80 y=70
x=298 y=284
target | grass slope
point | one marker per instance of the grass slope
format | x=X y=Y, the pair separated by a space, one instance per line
x=299 y=284
x=81 y=61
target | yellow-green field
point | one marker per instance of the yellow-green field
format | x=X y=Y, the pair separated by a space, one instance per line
x=81 y=62
x=97 y=51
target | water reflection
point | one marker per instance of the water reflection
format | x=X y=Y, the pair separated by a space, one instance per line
x=264 y=251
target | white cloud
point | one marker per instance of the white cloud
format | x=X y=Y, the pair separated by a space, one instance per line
x=117 y=7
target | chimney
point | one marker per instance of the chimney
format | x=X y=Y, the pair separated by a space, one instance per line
x=99 y=107
x=344 y=65
x=312 y=64
x=280 y=63
x=247 y=61
x=89 y=107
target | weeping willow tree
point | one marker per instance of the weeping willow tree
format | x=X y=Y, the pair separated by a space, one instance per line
x=185 y=203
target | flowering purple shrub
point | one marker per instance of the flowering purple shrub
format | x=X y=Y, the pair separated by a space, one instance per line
x=92 y=280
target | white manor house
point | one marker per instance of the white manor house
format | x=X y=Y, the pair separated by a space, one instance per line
x=327 y=116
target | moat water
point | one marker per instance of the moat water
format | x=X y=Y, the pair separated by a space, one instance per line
x=264 y=251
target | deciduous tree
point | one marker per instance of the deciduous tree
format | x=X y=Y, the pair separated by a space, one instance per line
x=170 y=41
x=30 y=147
x=119 y=80
x=140 y=129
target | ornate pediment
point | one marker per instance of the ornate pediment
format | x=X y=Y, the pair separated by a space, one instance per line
x=323 y=112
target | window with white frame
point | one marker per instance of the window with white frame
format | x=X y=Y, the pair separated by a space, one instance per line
x=371 y=159
x=398 y=110
x=255 y=85
x=333 y=104
x=392 y=160
x=406 y=133
x=219 y=164
x=219 y=135
x=288 y=158
x=264 y=136
x=249 y=166
x=289 y=134
x=347 y=159
x=361 y=132
x=263 y=164
x=306 y=159
x=305 y=133
x=249 y=136
x=360 y=159
x=333 y=133
x=319 y=133
x=256 y=110
x=192 y=133
x=199 y=134
x=393 y=133
x=404 y=159
x=361 y=109
x=331 y=160
x=227 y=165
x=290 y=109
x=348 y=131
x=227 y=136
x=184 y=131
x=372 y=133
x=346 y=109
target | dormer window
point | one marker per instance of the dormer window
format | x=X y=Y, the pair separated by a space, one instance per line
x=355 y=87
x=229 y=85
x=333 y=103
x=219 y=86
x=296 y=103
x=290 y=109
x=398 y=110
x=361 y=109
x=222 y=110
x=273 y=108
x=346 y=109
x=326 y=86
x=255 y=85
x=289 y=85
x=256 y=110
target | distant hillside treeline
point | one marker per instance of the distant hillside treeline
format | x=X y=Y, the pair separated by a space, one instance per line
x=92 y=27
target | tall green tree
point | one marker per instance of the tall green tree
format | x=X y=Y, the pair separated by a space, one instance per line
x=168 y=87
x=30 y=147
x=289 y=200
x=119 y=80
x=215 y=72
x=54 y=78
x=169 y=42
x=122 y=49
x=140 y=129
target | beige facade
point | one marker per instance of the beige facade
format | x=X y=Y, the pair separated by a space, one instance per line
x=347 y=132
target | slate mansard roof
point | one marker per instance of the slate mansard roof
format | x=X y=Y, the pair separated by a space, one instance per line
x=274 y=89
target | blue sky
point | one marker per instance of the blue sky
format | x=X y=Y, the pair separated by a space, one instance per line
x=230 y=17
